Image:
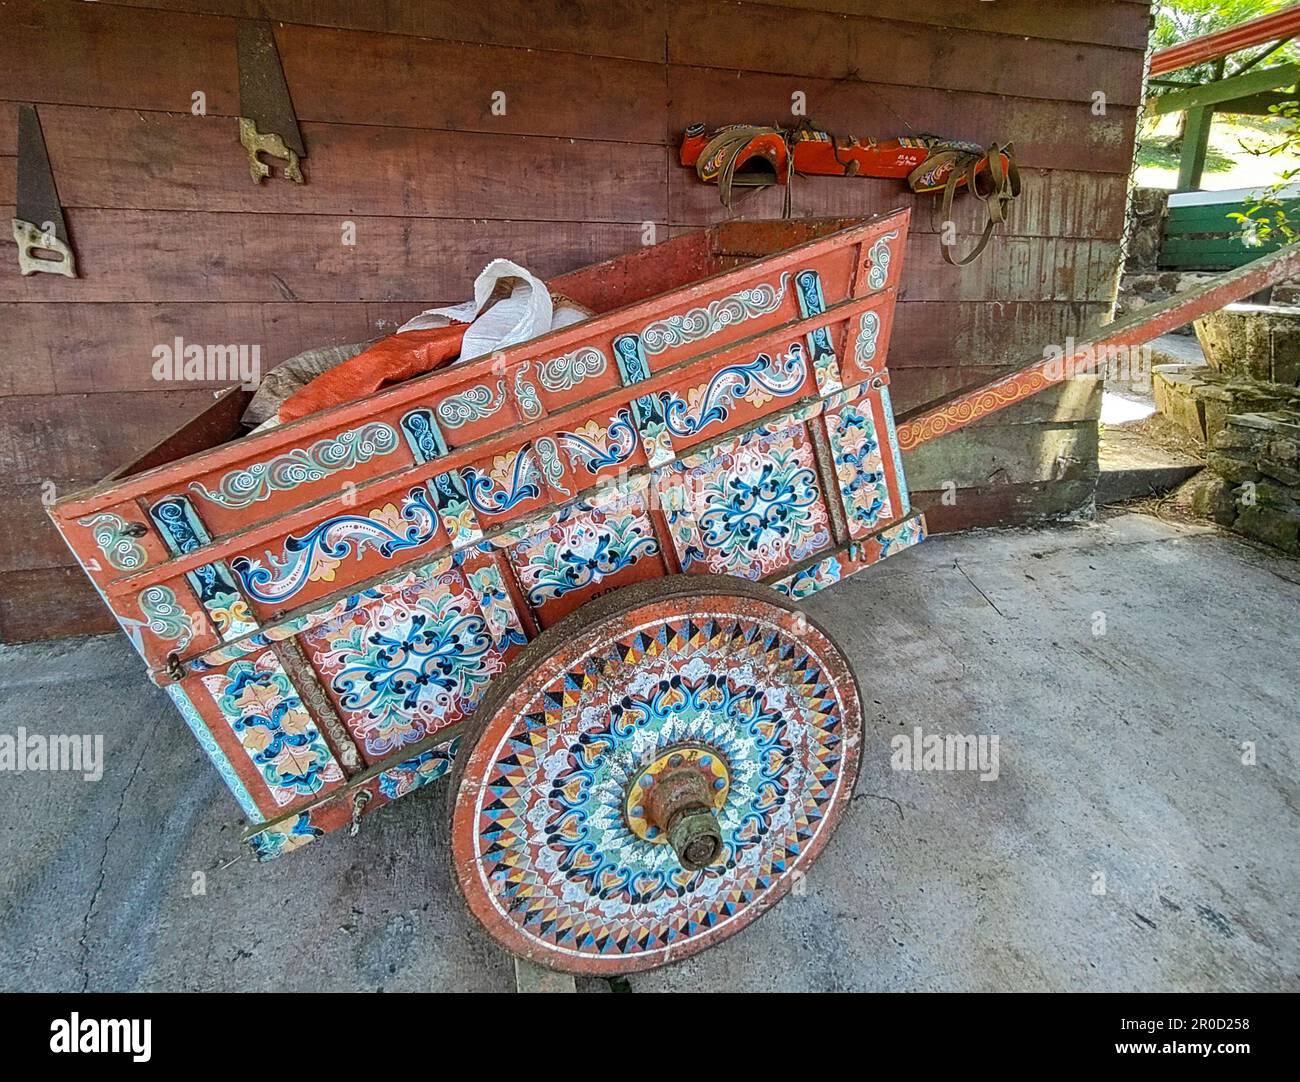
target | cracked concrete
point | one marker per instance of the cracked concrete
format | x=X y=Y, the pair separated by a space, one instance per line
x=1120 y=767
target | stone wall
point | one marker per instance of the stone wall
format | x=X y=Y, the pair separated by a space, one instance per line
x=1253 y=480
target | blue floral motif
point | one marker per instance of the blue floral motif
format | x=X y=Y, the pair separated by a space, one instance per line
x=759 y=380
x=183 y=532
x=278 y=840
x=279 y=736
x=334 y=539
x=736 y=721
x=746 y=514
x=431 y=656
x=417 y=772
x=577 y=552
x=620 y=442
x=417 y=658
x=491 y=497
x=858 y=467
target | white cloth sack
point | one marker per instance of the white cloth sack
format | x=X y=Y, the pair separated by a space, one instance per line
x=510 y=305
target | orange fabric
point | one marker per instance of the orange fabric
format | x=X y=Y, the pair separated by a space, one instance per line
x=390 y=360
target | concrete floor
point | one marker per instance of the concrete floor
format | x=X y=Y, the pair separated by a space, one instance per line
x=1119 y=755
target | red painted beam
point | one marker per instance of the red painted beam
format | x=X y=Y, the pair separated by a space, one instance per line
x=1281 y=24
x=928 y=422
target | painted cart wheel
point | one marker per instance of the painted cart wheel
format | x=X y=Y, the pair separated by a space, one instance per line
x=652 y=774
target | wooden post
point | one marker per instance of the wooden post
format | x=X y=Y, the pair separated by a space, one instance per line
x=1196 y=141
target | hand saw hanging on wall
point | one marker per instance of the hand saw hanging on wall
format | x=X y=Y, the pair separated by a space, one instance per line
x=750 y=156
x=267 y=124
x=39 y=228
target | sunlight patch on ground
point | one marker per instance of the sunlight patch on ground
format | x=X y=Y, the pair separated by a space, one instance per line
x=1118 y=408
x=1238 y=156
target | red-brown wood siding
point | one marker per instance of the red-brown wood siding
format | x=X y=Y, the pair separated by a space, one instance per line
x=394 y=101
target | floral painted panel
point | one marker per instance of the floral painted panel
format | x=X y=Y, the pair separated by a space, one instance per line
x=859 y=468
x=284 y=837
x=261 y=705
x=748 y=510
x=589 y=547
x=409 y=657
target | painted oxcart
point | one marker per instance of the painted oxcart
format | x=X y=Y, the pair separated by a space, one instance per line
x=572 y=568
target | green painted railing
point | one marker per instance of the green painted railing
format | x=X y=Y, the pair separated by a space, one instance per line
x=1204 y=237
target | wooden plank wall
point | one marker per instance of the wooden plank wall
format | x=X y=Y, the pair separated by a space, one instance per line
x=395 y=102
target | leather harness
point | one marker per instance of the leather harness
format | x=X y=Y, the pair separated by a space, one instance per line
x=753 y=156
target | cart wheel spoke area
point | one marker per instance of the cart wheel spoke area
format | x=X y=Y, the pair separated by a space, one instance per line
x=652 y=774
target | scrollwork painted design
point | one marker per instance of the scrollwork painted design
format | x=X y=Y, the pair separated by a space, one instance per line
x=595 y=447
x=565 y=372
x=244 y=487
x=316 y=553
x=864 y=350
x=756 y=382
x=700 y=323
x=512 y=479
x=115 y=540
x=164 y=616
x=580 y=549
x=475 y=404
x=880 y=255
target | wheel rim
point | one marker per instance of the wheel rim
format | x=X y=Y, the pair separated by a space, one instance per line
x=653 y=774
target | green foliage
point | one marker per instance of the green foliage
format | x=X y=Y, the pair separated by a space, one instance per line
x=1265 y=219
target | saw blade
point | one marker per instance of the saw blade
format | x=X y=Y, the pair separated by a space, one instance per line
x=38 y=199
x=263 y=92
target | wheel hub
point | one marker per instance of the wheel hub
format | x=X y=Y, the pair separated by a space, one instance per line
x=673 y=800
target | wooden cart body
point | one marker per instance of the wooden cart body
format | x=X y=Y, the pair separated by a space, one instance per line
x=326 y=602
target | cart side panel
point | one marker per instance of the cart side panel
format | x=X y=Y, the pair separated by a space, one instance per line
x=411 y=656
x=866 y=339
x=251 y=719
x=836 y=567
x=233 y=498
x=344 y=548
x=715 y=319
x=748 y=508
x=399 y=779
x=588 y=547
x=868 y=476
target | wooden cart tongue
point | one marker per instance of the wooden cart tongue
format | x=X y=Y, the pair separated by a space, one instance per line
x=948 y=414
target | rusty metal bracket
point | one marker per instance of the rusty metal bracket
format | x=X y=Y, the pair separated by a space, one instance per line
x=267 y=123
x=39 y=229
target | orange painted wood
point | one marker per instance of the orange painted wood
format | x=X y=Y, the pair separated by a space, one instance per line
x=929 y=422
x=1221 y=43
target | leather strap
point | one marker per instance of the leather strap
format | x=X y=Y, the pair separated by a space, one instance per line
x=730 y=143
x=996 y=185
